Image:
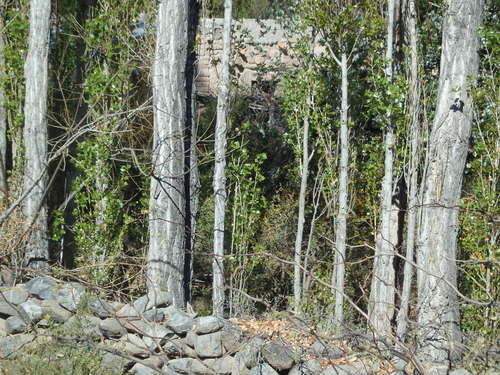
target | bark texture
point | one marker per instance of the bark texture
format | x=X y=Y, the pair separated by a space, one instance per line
x=220 y=193
x=166 y=256
x=381 y=304
x=35 y=134
x=438 y=318
x=412 y=175
x=341 y=229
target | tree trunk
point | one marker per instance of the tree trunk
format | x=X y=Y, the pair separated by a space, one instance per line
x=341 y=230
x=297 y=271
x=191 y=174
x=438 y=320
x=412 y=189
x=381 y=304
x=220 y=166
x=35 y=135
x=166 y=256
x=3 y=115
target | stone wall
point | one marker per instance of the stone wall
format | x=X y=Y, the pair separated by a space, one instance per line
x=260 y=50
x=150 y=336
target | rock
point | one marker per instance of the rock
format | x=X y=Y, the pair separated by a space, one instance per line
x=3 y=328
x=32 y=310
x=311 y=367
x=15 y=324
x=68 y=295
x=135 y=346
x=263 y=369
x=15 y=295
x=11 y=344
x=231 y=337
x=112 y=328
x=39 y=284
x=7 y=310
x=153 y=300
x=7 y=276
x=278 y=356
x=156 y=336
x=129 y=312
x=221 y=366
x=327 y=350
x=251 y=352
x=190 y=338
x=100 y=307
x=178 y=321
x=209 y=345
x=207 y=324
x=189 y=366
x=54 y=311
x=460 y=371
x=140 y=369
x=114 y=363
x=154 y=315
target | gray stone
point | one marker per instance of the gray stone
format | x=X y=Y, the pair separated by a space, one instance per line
x=460 y=371
x=221 y=366
x=207 y=324
x=129 y=312
x=311 y=367
x=13 y=324
x=32 y=310
x=189 y=366
x=135 y=346
x=135 y=326
x=278 y=356
x=3 y=328
x=156 y=335
x=231 y=337
x=100 y=307
x=114 y=363
x=7 y=310
x=191 y=338
x=251 y=352
x=68 y=295
x=39 y=284
x=15 y=295
x=54 y=311
x=159 y=299
x=178 y=321
x=11 y=344
x=112 y=328
x=209 y=345
x=154 y=315
x=327 y=350
x=140 y=369
x=263 y=369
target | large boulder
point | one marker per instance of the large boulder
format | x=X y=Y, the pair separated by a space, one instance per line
x=135 y=346
x=15 y=295
x=112 y=328
x=14 y=324
x=207 y=324
x=32 y=310
x=178 y=320
x=278 y=356
x=209 y=345
x=7 y=309
x=156 y=335
x=54 y=311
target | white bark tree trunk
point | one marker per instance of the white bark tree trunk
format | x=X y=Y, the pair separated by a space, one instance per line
x=220 y=193
x=412 y=190
x=297 y=271
x=166 y=267
x=3 y=116
x=35 y=135
x=381 y=304
x=341 y=230
x=438 y=318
